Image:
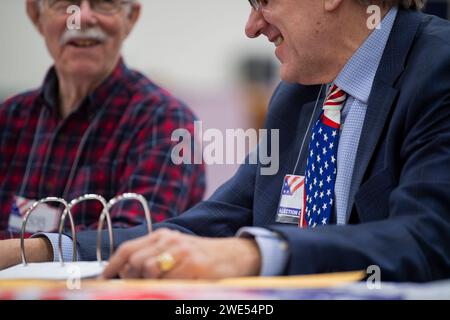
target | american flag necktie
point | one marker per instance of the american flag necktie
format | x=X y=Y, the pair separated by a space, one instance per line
x=321 y=165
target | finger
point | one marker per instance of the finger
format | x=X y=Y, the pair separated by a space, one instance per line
x=184 y=267
x=151 y=269
x=120 y=258
x=123 y=254
x=137 y=260
x=125 y=271
x=167 y=242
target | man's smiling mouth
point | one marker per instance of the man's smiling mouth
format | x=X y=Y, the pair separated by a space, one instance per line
x=278 y=41
x=84 y=43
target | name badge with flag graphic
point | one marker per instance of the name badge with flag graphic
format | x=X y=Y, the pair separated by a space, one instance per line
x=44 y=219
x=292 y=200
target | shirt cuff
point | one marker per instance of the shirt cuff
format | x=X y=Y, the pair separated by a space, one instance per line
x=67 y=245
x=274 y=251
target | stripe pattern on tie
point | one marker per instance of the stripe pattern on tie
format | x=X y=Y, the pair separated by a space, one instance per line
x=321 y=168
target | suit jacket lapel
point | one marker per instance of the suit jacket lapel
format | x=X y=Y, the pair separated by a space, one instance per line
x=383 y=94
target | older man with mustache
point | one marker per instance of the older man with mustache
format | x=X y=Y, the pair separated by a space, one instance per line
x=93 y=127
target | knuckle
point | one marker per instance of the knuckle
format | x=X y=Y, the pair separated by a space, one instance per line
x=160 y=233
x=149 y=269
x=183 y=250
x=175 y=240
x=133 y=261
x=124 y=249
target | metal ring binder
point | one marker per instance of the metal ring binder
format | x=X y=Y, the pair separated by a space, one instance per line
x=25 y=221
x=67 y=212
x=112 y=203
x=77 y=201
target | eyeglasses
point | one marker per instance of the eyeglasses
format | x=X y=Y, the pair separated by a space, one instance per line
x=106 y=7
x=258 y=4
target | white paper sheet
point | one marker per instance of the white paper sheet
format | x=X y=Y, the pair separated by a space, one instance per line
x=53 y=271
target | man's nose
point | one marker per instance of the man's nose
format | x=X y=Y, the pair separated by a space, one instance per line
x=255 y=24
x=88 y=16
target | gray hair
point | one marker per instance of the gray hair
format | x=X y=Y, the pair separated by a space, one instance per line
x=407 y=4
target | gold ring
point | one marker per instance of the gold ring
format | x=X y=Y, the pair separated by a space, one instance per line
x=166 y=261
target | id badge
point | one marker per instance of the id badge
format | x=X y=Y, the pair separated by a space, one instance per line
x=292 y=200
x=43 y=219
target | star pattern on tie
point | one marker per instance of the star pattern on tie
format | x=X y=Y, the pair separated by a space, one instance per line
x=321 y=166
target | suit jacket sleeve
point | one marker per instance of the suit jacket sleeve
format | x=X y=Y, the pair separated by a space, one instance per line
x=228 y=209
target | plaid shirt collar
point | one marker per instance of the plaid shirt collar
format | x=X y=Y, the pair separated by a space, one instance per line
x=49 y=92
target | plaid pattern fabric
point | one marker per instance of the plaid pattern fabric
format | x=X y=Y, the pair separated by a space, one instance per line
x=126 y=125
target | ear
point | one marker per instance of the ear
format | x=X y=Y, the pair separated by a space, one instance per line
x=34 y=13
x=331 y=5
x=133 y=16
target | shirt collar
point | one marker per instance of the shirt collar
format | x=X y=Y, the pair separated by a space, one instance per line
x=96 y=99
x=357 y=76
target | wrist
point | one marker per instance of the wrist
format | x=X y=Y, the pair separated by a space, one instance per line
x=38 y=250
x=10 y=253
x=251 y=258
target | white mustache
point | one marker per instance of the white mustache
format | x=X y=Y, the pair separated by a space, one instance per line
x=95 y=33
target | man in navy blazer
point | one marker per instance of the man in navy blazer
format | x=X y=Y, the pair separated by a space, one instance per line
x=394 y=207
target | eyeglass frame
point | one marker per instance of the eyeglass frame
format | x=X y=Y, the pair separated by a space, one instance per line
x=121 y=3
x=256 y=4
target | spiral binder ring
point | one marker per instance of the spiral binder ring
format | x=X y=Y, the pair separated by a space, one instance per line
x=105 y=212
x=25 y=221
x=67 y=212
x=112 y=203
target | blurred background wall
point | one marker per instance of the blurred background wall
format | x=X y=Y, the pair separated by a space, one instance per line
x=196 y=49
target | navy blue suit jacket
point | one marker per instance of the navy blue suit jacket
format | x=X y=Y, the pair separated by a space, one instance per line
x=399 y=210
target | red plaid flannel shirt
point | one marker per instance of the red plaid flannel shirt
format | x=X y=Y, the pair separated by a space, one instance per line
x=127 y=123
